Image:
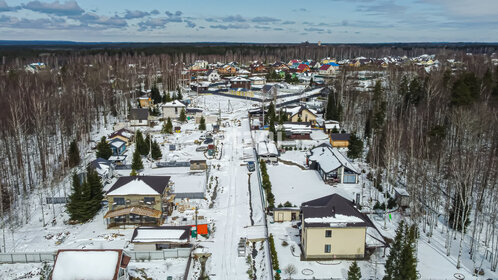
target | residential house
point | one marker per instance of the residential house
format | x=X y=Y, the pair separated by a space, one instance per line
x=118 y=146
x=213 y=76
x=270 y=91
x=297 y=130
x=279 y=66
x=326 y=70
x=332 y=166
x=402 y=197
x=145 y=101
x=227 y=70
x=301 y=114
x=257 y=67
x=315 y=65
x=198 y=164
x=268 y=151
x=239 y=82
x=103 y=167
x=301 y=68
x=139 y=117
x=328 y=60
x=200 y=65
x=91 y=264
x=293 y=62
x=257 y=80
x=138 y=200
x=159 y=238
x=330 y=125
x=286 y=214
x=173 y=109
x=339 y=140
x=333 y=228
x=122 y=134
x=118 y=160
x=193 y=113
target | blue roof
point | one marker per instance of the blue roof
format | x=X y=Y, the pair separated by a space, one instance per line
x=333 y=64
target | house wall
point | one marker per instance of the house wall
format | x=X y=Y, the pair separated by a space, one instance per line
x=284 y=215
x=144 y=246
x=306 y=116
x=144 y=103
x=134 y=200
x=124 y=139
x=198 y=166
x=347 y=242
x=139 y=122
x=169 y=112
x=336 y=143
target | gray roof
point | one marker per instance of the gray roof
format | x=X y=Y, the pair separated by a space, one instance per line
x=158 y=183
x=332 y=205
x=185 y=235
x=340 y=136
x=139 y=114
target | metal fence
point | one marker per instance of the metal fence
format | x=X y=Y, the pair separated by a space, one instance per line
x=39 y=257
x=31 y=257
x=173 y=164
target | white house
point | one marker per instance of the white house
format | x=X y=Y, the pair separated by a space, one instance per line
x=200 y=64
x=213 y=76
x=257 y=80
x=139 y=117
x=172 y=109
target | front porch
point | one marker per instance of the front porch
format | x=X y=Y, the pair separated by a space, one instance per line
x=134 y=215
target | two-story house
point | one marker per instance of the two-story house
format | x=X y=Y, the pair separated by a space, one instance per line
x=172 y=109
x=333 y=228
x=139 y=200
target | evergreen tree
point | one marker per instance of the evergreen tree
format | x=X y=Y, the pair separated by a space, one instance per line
x=354 y=272
x=408 y=260
x=139 y=141
x=155 y=95
x=334 y=108
x=179 y=96
x=166 y=97
x=145 y=147
x=156 y=151
x=137 y=161
x=355 y=149
x=379 y=112
x=183 y=116
x=415 y=93
x=96 y=196
x=393 y=260
x=465 y=90
x=273 y=130
x=167 y=127
x=104 y=149
x=368 y=124
x=288 y=78
x=202 y=124
x=74 y=206
x=133 y=172
x=74 y=154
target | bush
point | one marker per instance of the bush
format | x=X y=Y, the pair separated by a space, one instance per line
x=391 y=203
x=285 y=244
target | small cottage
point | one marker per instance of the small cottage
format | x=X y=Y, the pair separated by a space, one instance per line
x=159 y=238
x=139 y=117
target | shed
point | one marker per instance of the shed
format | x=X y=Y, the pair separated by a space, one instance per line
x=402 y=197
x=158 y=238
x=286 y=214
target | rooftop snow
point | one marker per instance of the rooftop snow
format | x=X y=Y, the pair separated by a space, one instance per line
x=88 y=265
x=136 y=186
x=338 y=220
x=159 y=235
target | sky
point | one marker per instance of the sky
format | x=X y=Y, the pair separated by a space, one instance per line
x=254 y=21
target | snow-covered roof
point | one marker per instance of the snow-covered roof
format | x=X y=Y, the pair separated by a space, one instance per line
x=134 y=187
x=267 y=149
x=168 y=234
x=88 y=265
x=239 y=79
x=174 y=103
x=337 y=220
x=189 y=184
x=139 y=185
x=330 y=159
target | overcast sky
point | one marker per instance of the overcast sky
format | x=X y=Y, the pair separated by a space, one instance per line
x=272 y=21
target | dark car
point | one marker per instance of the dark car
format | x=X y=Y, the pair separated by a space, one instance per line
x=251 y=166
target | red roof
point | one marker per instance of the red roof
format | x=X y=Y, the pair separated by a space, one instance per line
x=325 y=67
x=302 y=66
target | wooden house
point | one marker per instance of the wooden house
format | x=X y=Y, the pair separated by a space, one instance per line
x=339 y=140
x=138 y=200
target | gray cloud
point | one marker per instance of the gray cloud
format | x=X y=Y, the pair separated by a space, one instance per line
x=6 y=8
x=300 y=10
x=288 y=22
x=69 y=8
x=107 y=22
x=190 y=24
x=231 y=26
x=314 y=29
x=136 y=14
x=236 y=18
x=265 y=20
x=262 y=27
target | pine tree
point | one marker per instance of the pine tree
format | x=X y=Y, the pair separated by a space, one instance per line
x=137 y=161
x=145 y=147
x=74 y=206
x=104 y=149
x=393 y=260
x=96 y=196
x=167 y=127
x=354 y=272
x=334 y=109
x=139 y=141
x=74 y=154
x=183 y=116
x=156 y=151
x=408 y=260
x=179 y=96
x=202 y=124
x=273 y=130
x=155 y=95
x=355 y=149
x=166 y=97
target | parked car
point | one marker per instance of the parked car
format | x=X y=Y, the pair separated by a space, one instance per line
x=208 y=141
x=251 y=166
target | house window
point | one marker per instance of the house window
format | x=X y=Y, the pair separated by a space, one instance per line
x=328 y=233
x=149 y=200
x=176 y=110
x=327 y=248
x=119 y=201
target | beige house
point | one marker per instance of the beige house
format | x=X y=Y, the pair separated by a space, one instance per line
x=172 y=109
x=139 y=200
x=332 y=228
x=301 y=114
x=286 y=214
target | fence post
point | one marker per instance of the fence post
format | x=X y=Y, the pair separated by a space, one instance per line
x=39 y=256
x=26 y=257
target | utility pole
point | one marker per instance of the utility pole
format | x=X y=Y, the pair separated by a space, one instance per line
x=196 y=228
